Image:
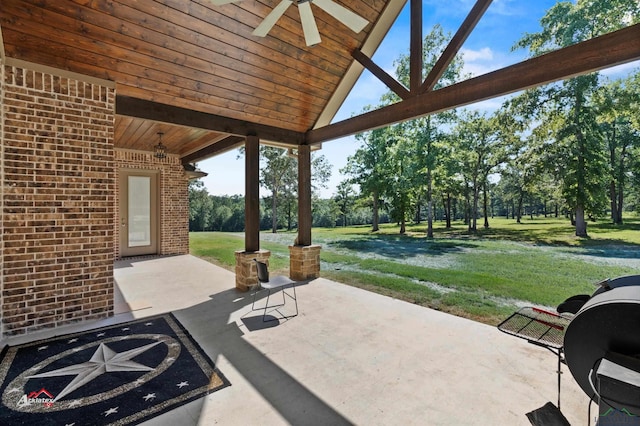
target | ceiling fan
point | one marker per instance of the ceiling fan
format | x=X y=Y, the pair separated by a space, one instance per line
x=311 y=34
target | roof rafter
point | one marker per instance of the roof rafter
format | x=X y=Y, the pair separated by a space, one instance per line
x=416 y=62
x=611 y=49
x=393 y=84
x=224 y=145
x=149 y=110
x=455 y=44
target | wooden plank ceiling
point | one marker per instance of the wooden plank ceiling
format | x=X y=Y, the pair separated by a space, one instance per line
x=194 y=70
x=193 y=55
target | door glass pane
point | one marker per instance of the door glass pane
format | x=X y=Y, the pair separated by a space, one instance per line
x=139 y=211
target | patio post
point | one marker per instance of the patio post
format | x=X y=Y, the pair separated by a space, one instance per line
x=304 y=195
x=246 y=276
x=252 y=194
x=304 y=259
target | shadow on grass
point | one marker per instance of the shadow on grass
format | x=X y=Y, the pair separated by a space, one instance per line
x=613 y=249
x=401 y=246
x=543 y=232
x=549 y=235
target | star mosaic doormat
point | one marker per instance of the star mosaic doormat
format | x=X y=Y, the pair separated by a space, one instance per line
x=117 y=375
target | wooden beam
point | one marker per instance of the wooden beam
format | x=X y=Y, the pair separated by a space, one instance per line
x=455 y=44
x=611 y=49
x=148 y=110
x=304 y=196
x=416 y=62
x=226 y=144
x=252 y=194
x=382 y=75
x=2 y=53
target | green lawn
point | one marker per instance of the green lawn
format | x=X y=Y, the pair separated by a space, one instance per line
x=484 y=276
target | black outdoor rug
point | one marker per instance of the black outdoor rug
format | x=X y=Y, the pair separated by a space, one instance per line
x=117 y=375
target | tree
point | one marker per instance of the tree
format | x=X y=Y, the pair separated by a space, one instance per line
x=483 y=144
x=634 y=157
x=566 y=106
x=278 y=175
x=426 y=132
x=345 y=199
x=447 y=178
x=321 y=171
x=199 y=206
x=617 y=106
x=399 y=169
x=365 y=167
x=221 y=214
x=325 y=213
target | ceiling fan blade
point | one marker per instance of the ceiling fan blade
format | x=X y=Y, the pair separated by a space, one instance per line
x=271 y=19
x=221 y=2
x=309 y=27
x=352 y=20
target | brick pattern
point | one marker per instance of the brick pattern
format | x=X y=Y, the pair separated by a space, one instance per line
x=57 y=202
x=304 y=262
x=246 y=274
x=174 y=198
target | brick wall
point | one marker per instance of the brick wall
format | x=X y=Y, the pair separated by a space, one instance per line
x=57 y=200
x=173 y=194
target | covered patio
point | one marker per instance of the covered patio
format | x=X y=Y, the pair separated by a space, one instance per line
x=106 y=105
x=349 y=357
x=89 y=88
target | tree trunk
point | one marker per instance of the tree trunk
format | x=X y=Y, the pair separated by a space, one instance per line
x=614 y=201
x=621 y=180
x=620 y=201
x=612 y=185
x=474 y=208
x=518 y=210
x=467 y=209
x=274 y=216
x=429 y=205
x=581 y=223
x=454 y=208
x=446 y=203
x=581 y=196
x=403 y=226
x=486 y=200
x=376 y=217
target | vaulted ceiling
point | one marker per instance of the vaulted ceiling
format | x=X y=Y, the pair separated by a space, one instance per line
x=194 y=55
x=194 y=71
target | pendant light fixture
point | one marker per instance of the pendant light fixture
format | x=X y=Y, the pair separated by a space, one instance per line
x=160 y=149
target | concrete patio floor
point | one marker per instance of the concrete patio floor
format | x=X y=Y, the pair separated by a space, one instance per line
x=349 y=357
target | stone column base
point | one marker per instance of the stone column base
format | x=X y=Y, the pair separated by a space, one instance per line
x=304 y=262
x=246 y=275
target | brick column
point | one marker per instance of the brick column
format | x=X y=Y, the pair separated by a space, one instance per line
x=246 y=276
x=57 y=199
x=304 y=262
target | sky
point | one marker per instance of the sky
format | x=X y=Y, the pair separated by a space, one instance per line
x=489 y=47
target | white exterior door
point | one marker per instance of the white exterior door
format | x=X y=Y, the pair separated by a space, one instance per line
x=138 y=212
